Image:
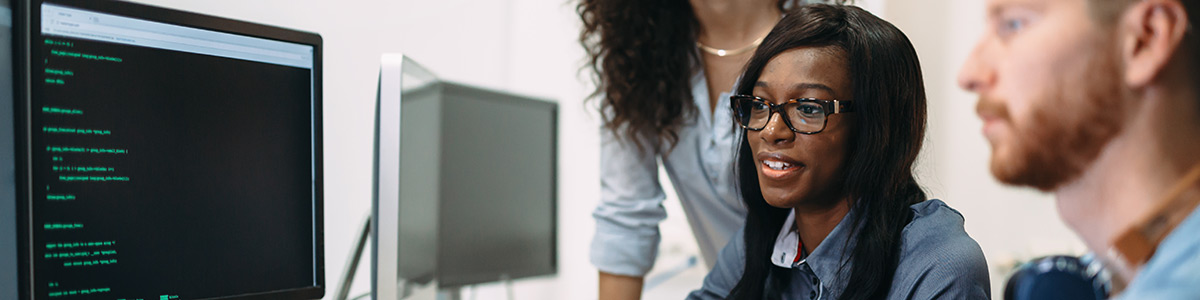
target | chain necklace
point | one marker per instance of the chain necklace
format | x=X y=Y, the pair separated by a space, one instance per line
x=723 y=52
x=726 y=52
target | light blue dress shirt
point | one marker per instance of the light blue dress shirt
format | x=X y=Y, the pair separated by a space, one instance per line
x=1174 y=270
x=700 y=167
x=938 y=260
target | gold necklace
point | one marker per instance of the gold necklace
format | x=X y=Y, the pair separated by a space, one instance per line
x=723 y=52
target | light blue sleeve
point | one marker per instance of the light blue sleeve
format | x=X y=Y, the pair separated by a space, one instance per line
x=630 y=209
x=731 y=263
x=1174 y=270
x=1175 y=278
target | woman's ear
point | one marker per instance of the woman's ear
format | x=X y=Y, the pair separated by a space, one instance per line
x=1150 y=33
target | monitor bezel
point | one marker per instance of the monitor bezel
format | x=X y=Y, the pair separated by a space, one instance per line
x=26 y=20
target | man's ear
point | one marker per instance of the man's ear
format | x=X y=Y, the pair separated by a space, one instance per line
x=1150 y=33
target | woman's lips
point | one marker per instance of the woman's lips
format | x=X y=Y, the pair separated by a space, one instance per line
x=778 y=166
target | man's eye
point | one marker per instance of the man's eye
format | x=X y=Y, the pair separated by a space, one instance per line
x=1014 y=25
x=1009 y=26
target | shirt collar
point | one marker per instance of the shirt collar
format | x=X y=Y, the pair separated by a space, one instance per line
x=786 y=244
x=827 y=259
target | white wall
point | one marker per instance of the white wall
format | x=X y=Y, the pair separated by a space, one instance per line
x=529 y=46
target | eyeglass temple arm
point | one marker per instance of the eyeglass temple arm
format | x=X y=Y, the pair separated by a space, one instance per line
x=842 y=106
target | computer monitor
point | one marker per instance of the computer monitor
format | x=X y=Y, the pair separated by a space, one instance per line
x=8 y=169
x=464 y=185
x=165 y=155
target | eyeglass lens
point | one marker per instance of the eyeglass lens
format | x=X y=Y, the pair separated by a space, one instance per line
x=804 y=116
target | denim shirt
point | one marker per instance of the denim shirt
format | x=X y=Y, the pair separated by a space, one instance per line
x=700 y=167
x=1174 y=270
x=938 y=260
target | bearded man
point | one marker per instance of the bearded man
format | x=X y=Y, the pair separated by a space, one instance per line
x=1096 y=101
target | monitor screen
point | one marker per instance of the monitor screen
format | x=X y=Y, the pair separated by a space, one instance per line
x=169 y=155
x=498 y=187
x=465 y=183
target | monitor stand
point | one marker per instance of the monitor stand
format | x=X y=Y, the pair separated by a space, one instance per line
x=352 y=263
x=450 y=294
x=405 y=287
x=456 y=293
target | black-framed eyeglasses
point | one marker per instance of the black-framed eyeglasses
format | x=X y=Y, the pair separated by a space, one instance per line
x=805 y=115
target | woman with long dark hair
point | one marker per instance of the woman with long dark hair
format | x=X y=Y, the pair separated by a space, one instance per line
x=664 y=70
x=833 y=110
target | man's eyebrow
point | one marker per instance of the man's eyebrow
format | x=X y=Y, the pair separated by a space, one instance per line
x=994 y=9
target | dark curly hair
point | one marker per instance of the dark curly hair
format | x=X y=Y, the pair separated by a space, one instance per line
x=642 y=53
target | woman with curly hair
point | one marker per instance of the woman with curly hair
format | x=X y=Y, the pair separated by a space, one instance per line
x=664 y=69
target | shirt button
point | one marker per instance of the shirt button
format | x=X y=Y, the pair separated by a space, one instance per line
x=812 y=295
x=815 y=281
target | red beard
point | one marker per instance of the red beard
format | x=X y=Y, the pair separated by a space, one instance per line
x=1066 y=130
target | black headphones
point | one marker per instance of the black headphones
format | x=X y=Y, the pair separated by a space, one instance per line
x=1059 y=277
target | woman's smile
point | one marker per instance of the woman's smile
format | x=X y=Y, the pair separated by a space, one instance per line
x=778 y=166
